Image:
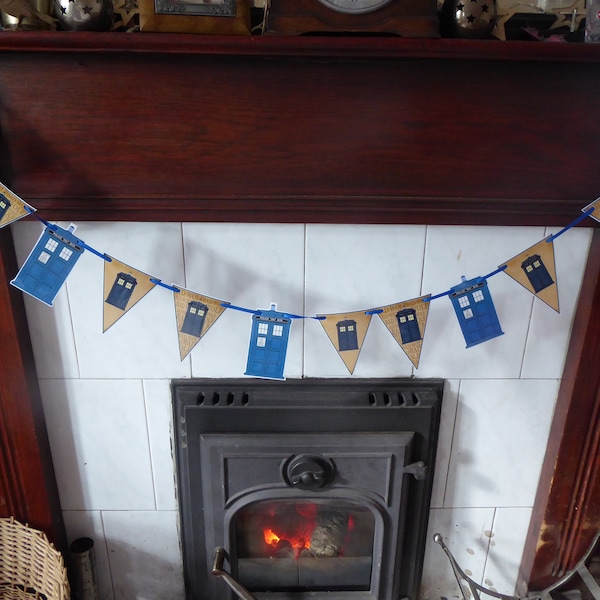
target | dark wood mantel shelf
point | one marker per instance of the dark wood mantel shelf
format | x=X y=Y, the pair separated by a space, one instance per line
x=368 y=47
x=299 y=129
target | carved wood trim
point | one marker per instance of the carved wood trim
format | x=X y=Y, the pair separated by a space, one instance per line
x=566 y=514
x=27 y=483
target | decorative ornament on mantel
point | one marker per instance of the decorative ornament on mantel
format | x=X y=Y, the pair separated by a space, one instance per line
x=470 y=19
x=27 y=15
x=84 y=15
x=569 y=16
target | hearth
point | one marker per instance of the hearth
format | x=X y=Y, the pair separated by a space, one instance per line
x=305 y=488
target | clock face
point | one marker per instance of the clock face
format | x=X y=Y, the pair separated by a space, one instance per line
x=354 y=6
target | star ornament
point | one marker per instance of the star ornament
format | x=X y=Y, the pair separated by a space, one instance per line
x=499 y=31
x=569 y=16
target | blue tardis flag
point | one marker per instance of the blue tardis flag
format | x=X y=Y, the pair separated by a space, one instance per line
x=4 y=205
x=408 y=325
x=195 y=316
x=49 y=263
x=268 y=344
x=121 y=290
x=475 y=311
x=347 y=336
x=537 y=273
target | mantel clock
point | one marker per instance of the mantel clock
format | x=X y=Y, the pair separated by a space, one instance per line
x=406 y=18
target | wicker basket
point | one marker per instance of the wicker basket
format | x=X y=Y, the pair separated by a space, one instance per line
x=30 y=566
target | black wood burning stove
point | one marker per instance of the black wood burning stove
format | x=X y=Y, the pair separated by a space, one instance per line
x=312 y=488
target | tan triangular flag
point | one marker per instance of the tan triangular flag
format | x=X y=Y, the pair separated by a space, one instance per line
x=124 y=287
x=596 y=212
x=535 y=270
x=406 y=322
x=347 y=333
x=12 y=208
x=195 y=315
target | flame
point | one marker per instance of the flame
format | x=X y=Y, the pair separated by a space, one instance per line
x=298 y=541
x=271 y=537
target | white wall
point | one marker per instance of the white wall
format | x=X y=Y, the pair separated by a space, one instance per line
x=107 y=402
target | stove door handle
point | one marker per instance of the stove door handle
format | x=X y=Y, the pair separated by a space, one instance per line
x=218 y=571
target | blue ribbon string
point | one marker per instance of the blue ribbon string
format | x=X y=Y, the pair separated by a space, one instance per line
x=94 y=251
x=498 y=270
x=241 y=308
x=49 y=225
x=168 y=287
x=585 y=214
x=448 y=292
x=373 y=311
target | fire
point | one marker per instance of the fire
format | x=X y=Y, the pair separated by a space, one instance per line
x=271 y=537
x=296 y=542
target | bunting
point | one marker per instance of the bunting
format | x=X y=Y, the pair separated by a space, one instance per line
x=195 y=314
x=535 y=270
x=347 y=331
x=406 y=322
x=57 y=250
x=12 y=208
x=124 y=287
x=49 y=263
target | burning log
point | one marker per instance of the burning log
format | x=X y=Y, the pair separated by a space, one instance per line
x=329 y=534
x=284 y=550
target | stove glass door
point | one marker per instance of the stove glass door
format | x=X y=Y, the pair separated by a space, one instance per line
x=304 y=545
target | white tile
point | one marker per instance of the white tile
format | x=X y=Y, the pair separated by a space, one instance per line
x=445 y=436
x=465 y=532
x=499 y=443
x=50 y=328
x=452 y=252
x=143 y=342
x=99 y=443
x=506 y=549
x=157 y=394
x=88 y=524
x=251 y=266
x=549 y=332
x=145 y=559
x=353 y=268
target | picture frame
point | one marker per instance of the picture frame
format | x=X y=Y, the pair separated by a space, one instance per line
x=195 y=16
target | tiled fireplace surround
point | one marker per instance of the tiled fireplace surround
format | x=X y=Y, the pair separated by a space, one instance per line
x=107 y=399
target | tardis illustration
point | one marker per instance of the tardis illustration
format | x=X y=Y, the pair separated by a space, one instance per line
x=49 y=263
x=121 y=290
x=475 y=311
x=536 y=272
x=347 y=336
x=4 y=205
x=268 y=344
x=194 y=318
x=408 y=325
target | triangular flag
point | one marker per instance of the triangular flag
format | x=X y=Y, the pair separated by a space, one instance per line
x=195 y=315
x=124 y=287
x=12 y=208
x=406 y=322
x=535 y=270
x=347 y=333
x=596 y=212
x=49 y=263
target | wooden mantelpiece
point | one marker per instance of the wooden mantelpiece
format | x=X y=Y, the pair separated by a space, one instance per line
x=169 y=127
x=312 y=129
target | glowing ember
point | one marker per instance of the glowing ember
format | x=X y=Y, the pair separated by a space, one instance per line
x=297 y=541
x=271 y=537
